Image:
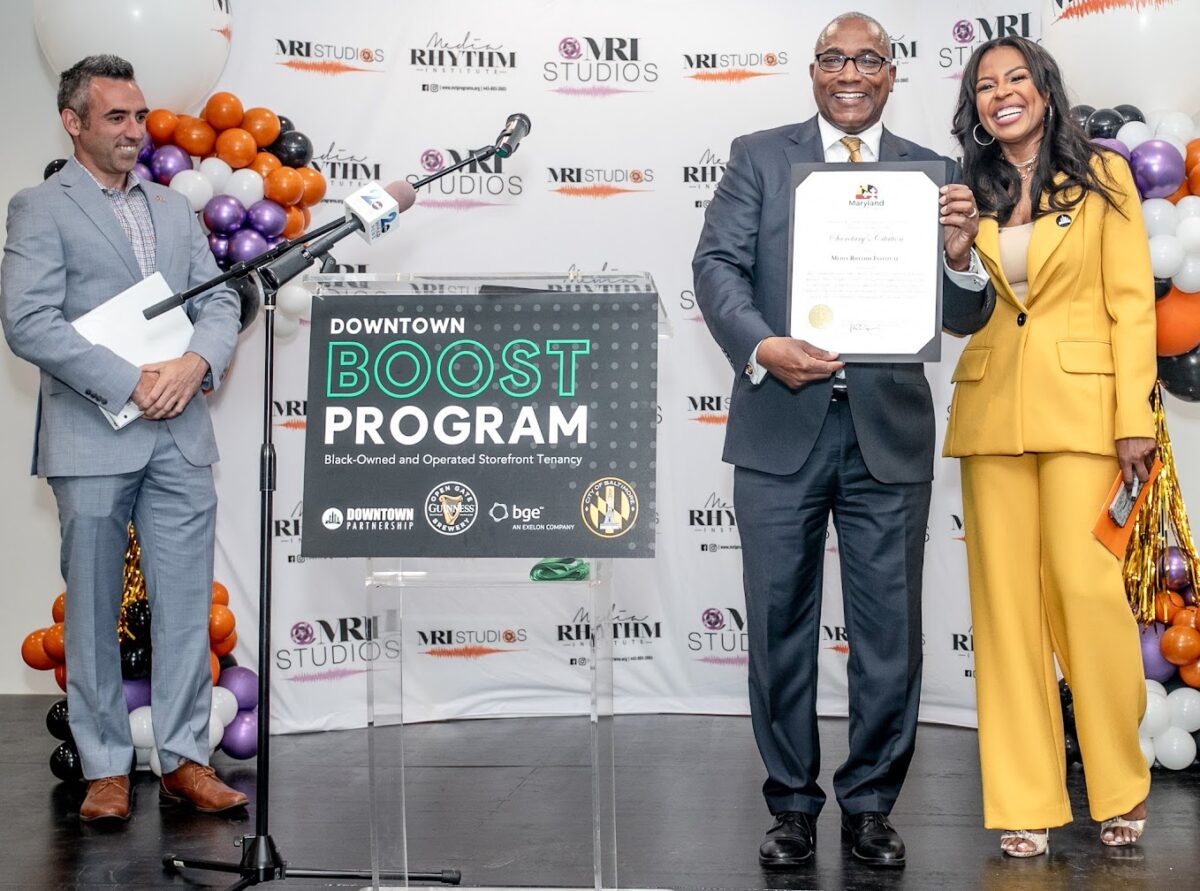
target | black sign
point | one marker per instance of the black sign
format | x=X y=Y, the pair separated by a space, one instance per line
x=510 y=424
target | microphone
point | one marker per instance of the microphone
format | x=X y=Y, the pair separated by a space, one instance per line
x=515 y=129
x=370 y=212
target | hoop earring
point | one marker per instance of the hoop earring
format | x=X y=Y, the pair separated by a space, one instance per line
x=975 y=136
x=1049 y=116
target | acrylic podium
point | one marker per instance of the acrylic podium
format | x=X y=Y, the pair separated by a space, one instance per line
x=525 y=384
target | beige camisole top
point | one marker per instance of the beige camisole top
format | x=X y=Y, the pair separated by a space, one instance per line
x=1014 y=257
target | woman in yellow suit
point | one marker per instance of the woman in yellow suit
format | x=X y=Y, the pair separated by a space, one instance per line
x=1050 y=403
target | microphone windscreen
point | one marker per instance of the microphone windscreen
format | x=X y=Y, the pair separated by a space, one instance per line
x=403 y=193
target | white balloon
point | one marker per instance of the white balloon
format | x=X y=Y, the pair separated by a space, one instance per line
x=1188 y=206
x=215 y=731
x=177 y=49
x=1180 y=145
x=1156 y=719
x=194 y=186
x=1174 y=748
x=1147 y=745
x=1161 y=217
x=143 y=758
x=155 y=763
x=286 y=327
x=293 y=300
x=1188 y=232
x=1187 y=277
x=1184 y=705
x=1166 y=255
x=1154 y=117
x=1175 y=124
x=216 y=172
x=1155 y=688
x=141 y=729
x=1134 y=134
x=225 y=705
x=245 y=185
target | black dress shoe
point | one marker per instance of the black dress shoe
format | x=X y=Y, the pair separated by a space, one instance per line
x=872 y=839
x=790 y=841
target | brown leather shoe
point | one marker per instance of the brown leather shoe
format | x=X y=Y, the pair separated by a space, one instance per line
x=107 y=799
x=197 y=785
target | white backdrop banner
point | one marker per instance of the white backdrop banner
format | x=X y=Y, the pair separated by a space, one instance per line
x=633 y=105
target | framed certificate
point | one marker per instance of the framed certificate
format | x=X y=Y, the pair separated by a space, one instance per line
x=865 y=260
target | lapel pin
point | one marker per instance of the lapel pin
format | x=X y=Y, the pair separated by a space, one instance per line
x=1063 y=220
x=161 y=199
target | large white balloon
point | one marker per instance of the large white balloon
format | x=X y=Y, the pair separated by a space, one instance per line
x=1161 y=217
x=142 y=757
x=1174 y=748
x=1087 y=39
x=178 y=49
x=215 y=731
x=1188 y=233
x=1166 y=255
x=1155 y=688
x=294 y=300
x=216 y=172
x=155 y=763
x=1175 y=124
x=1134 y=134
x=140 y=728
x=286 y=327
x=245 y=185
x=194 y=186
x=225 y=705
x=1156 y=719
x=1187 y=277
x=1188 y=206
x=1184 y=705
x=1147 y=745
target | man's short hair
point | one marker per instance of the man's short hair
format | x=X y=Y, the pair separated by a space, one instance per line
x=74 y=82
x=871 y=23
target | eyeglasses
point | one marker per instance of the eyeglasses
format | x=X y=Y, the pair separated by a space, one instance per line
x=867 y=63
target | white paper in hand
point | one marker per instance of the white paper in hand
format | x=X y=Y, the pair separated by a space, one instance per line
x=118 y=324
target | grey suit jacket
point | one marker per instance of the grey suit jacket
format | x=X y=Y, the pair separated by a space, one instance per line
x=740 y=270
x=66 y=253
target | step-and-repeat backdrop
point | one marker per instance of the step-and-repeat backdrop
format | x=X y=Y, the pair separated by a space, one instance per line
x=633 y=105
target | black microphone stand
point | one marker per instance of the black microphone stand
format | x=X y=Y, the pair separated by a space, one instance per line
x=260 y=860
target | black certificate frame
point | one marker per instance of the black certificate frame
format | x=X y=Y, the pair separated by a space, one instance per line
x=937 y=172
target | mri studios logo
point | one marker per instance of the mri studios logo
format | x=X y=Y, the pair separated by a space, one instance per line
x=599 y=182
x=599 y=66
x=328 y=59
x=478 y=184
x=733 y=67
x=328 y=649
x=1071 y=9
x=966 y=34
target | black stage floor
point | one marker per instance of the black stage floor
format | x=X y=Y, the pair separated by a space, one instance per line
x=508 y=803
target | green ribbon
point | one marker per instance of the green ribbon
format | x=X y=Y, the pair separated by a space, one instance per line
x=559 y=569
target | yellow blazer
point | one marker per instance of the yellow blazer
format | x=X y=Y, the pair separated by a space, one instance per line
x=1071 y=368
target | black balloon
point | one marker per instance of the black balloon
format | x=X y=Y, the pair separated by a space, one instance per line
x=247 y=290
x=1080 y=113
x=135 y=663
x=285 y=124
x=1162 y=287
x=1074 y=756
x=56 y=720
x=1180 y=375
x=1103 y=123
x=53 y=167
x=137 y=618
x=65 y=763
x=1130 y=113
x=227 y=661
x=293 y=149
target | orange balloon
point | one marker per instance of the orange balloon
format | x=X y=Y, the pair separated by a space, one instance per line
x=223 y=110
x=1182 y=192
x=194 y=136
x=225 y=647
x=220 y=594
x=264 y=163
x=1186 y=616
x=220 y=622
x=33 y=650
x=295 y=222
x=1190 y=673
x=214 y=665
x=59 y=610
x=314 y=185
x=60 y=676
x=307 y=216
x=263 y=124
x=1192 y=157
x=54 y=643
x=1166 y=605
x=161 y=124
x=284 y=186
x=236 y=148
x=1180 y=645
x=1178 y=322
x=1193 y=180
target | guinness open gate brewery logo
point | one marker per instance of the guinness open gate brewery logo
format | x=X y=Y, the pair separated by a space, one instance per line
x=609 y=507
x=451 y=508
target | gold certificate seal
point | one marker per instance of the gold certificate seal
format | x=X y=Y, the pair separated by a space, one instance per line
x=820 y=316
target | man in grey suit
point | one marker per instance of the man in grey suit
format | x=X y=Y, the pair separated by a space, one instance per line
x=87 y=233
x=810 y=436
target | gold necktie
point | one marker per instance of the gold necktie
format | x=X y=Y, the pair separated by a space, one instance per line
x=853 y=143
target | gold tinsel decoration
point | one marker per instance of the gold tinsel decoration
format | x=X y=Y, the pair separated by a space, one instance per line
x=134 y=588
x=1160 y=522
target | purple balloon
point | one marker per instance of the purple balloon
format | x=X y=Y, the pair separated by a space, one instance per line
x=245 y=244
x=1173 y=569
x=224 y=214
x=1114 y=145
x=219 y=245
x=168 y=161
x=146 y=150
x=1157 y=168
x=271 y=242
x=267 y=218
x=1157 y=668
x=241 y=735
x=242 y=682
x=1188 y=593
x=137 y=693
x=143 y=172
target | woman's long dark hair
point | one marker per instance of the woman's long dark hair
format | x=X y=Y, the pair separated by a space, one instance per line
x=1064 y=149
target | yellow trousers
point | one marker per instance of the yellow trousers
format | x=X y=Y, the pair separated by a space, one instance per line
x=1043 y=588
